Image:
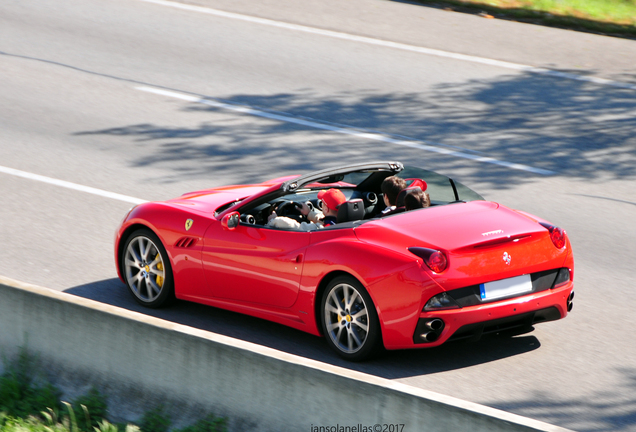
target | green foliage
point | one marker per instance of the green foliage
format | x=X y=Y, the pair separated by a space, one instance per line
x=90 y=409
x=210 y=423
x=104 y=426
x=30 y=424
x=612 y=17
x=71 y=417
x=49 y=422
x=24 y=390
x=52 y=424
x=30 y=403
x=155 y=420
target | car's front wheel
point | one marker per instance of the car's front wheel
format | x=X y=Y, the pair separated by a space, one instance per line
x=147 y=269
x=349 y=319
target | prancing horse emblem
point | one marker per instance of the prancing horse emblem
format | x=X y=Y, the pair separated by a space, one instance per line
x=507 y=258
x=189 y=223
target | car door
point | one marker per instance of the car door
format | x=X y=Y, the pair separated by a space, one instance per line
x=255 y=264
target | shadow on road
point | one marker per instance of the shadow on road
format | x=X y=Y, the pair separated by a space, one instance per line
x=604 y=411
x=391 y=365
x=573 y=128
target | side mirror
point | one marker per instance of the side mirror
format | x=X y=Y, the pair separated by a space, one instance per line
x=230 y=221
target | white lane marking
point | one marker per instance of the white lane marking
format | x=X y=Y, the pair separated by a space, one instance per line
x=316 y=124
x=70 y=185
x=396 y=45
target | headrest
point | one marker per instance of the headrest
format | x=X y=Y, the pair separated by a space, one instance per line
x=404 y=193
x=350 y=211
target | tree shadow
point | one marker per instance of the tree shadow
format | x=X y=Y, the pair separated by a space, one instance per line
x=603 y=411
x=390 y=365
x=573 y=128
x=576 y=129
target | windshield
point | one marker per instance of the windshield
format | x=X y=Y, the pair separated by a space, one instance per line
x=440 y=188
x=362 y=186
x=350 y=180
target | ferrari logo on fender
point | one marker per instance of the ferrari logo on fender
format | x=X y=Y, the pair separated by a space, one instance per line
x=507 y=258
x=189 y=223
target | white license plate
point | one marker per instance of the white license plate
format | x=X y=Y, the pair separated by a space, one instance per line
x=506 y=287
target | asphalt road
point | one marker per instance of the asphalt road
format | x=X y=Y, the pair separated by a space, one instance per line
x=81 y=101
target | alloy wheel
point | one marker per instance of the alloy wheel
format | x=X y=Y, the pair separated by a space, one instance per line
x=144 y=269
x=346 y=318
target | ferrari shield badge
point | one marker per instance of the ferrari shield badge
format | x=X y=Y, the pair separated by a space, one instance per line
x=189 y=223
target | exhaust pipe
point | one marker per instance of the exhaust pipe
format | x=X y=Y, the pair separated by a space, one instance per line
x=428 y=330
x=429 y=336
x=570 y=303
x=435 y=324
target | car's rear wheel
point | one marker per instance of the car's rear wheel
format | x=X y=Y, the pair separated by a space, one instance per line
x=147 y=270
x=349 y=319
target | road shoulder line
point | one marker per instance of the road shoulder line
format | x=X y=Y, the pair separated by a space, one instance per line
x=395 y=45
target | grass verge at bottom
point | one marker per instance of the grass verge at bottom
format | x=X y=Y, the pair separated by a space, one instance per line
x=607 y=17
x=29 y=402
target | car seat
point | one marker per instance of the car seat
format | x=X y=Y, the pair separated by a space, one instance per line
x=399 y=205
x=351 y=210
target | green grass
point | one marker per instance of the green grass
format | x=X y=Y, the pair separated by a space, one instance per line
x=610 y=11
x=94 y=403
x=24 y=389
x=49 y=422
x=30 y=403
x=156 y=420
x=610 y=17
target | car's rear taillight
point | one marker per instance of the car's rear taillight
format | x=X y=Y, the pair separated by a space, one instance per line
x=435 y=259
x=557 y=235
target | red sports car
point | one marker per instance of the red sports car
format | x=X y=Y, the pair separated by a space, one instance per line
x=457 y=269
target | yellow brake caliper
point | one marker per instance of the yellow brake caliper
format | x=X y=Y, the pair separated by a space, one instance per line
x=159 y=267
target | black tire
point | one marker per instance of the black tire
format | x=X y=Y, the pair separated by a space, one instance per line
x=349 y=320
x=147 y=270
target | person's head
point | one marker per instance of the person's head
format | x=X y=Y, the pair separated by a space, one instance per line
x=391 y=187
x=416 y=200
x=331 y=200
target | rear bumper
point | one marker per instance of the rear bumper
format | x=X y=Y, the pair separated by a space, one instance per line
x=470 y=323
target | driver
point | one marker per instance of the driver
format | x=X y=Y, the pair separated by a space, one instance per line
x=331 y=201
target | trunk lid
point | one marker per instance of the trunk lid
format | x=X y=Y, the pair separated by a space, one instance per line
x=451 y=227
x=482 y=240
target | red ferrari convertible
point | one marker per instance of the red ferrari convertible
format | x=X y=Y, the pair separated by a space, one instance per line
x=458 y=269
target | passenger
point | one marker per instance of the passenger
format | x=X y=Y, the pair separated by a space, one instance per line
x=391 y=188
x=331 y=201
x=417 y=200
